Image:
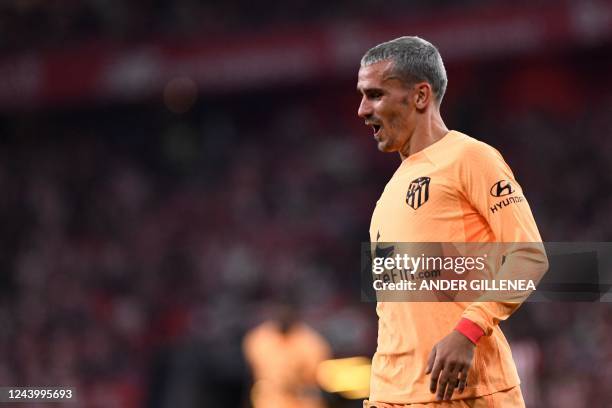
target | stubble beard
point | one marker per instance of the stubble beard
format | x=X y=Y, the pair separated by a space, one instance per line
x=387 y=145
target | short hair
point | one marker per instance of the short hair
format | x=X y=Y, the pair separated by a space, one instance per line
x=414 y=60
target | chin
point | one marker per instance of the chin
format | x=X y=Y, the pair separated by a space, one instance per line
x=385 y=147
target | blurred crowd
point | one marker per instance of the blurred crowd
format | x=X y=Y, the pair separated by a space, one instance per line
x=139 y=245
x=50 y=24
x=129 y=232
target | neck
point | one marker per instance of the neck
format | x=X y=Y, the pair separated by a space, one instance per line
x=428 y=131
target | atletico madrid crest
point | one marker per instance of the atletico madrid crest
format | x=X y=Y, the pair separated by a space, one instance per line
x=418 y=192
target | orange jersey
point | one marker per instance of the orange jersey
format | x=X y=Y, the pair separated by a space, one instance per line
x=284 y=365
x=456 y=190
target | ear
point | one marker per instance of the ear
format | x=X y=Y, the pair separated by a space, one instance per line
x=423 y=95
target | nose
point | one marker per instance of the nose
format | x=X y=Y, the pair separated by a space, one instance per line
x=365 y=108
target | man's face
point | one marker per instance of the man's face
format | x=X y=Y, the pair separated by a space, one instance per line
x=386 y=105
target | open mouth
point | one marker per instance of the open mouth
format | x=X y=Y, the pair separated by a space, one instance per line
x=376 y=129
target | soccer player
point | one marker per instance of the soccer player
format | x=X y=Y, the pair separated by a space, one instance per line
x=284 y=355
x=449 y=187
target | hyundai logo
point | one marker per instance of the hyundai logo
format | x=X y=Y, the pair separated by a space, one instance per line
x=502 y=188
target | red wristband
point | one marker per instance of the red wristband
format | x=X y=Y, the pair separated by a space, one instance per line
x=470 y=330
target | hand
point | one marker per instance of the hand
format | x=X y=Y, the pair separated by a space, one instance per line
x=449 y=362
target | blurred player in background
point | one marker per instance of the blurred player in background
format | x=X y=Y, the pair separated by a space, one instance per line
x=284 y=354
x=449 y=187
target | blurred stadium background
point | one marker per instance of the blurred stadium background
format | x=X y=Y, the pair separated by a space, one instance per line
x=168 y=168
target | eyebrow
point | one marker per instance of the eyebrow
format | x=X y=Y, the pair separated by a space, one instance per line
x=369 y=89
